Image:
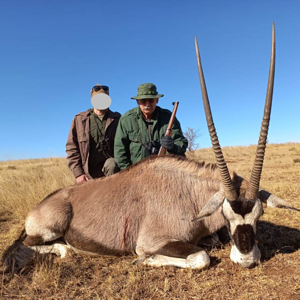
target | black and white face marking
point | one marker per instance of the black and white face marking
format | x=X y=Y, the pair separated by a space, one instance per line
x=242 y=216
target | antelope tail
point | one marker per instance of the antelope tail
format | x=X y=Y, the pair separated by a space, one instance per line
x=17 y=256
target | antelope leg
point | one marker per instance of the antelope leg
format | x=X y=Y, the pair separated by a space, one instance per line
x=179 y=254
x=58 y=249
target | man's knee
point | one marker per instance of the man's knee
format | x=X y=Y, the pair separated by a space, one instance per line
x=110 y=167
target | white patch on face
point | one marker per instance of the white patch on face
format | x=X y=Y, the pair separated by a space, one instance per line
x=253 y=257
x=245 y=260
x=236 y=219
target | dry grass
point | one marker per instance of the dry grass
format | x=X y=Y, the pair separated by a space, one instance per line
x=24 y=183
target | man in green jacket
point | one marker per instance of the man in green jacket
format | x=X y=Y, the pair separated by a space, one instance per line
x=141 y=130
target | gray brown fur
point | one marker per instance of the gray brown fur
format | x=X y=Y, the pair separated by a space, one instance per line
x=122 y=213
x=149 y=208
x=118 y=213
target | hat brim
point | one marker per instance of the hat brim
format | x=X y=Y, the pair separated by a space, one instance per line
x=147 y=97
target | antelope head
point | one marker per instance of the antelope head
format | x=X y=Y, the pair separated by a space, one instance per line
x=241 y=208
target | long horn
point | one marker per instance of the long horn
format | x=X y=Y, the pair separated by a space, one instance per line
x=253 y=187
x=230 y=192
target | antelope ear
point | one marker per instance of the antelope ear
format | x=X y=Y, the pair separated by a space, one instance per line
x=211 y=206
x=274 y=201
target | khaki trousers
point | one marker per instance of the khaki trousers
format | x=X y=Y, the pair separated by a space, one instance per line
x=110 y=167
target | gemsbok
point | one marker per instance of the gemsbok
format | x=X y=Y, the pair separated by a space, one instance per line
x=158 y=208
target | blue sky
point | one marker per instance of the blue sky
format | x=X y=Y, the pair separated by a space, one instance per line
x=53 y=52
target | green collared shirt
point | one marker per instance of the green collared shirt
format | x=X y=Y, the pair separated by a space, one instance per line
x=133 y=130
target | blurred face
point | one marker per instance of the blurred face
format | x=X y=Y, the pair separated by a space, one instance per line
x=97 y=89
x=147 y=106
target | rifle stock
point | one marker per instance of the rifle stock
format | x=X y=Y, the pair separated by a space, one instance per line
x=162 y=150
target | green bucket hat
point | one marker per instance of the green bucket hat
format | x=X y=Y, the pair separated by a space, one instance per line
x=147 y=91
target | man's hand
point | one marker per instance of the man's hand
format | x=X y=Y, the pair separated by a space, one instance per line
x=167 y=142
x=81 y=179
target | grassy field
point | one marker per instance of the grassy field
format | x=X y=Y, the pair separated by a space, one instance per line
x=25 y=183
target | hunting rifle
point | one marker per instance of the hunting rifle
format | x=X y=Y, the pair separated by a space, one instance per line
x=162 y=150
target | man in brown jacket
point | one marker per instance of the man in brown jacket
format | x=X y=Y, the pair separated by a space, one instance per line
x=90 y=144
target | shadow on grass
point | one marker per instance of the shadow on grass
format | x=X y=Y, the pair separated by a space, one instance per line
x=274 y=239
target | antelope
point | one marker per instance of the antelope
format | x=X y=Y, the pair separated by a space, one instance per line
x=158 y=208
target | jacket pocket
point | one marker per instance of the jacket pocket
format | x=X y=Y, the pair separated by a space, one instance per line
x=133 y=137
x=83 y=147
x=81 y=137
x=135 y=146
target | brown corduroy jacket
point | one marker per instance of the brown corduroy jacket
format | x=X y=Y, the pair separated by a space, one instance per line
x=78 y=143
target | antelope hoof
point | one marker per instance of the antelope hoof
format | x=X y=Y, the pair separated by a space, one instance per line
x=140 y=260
